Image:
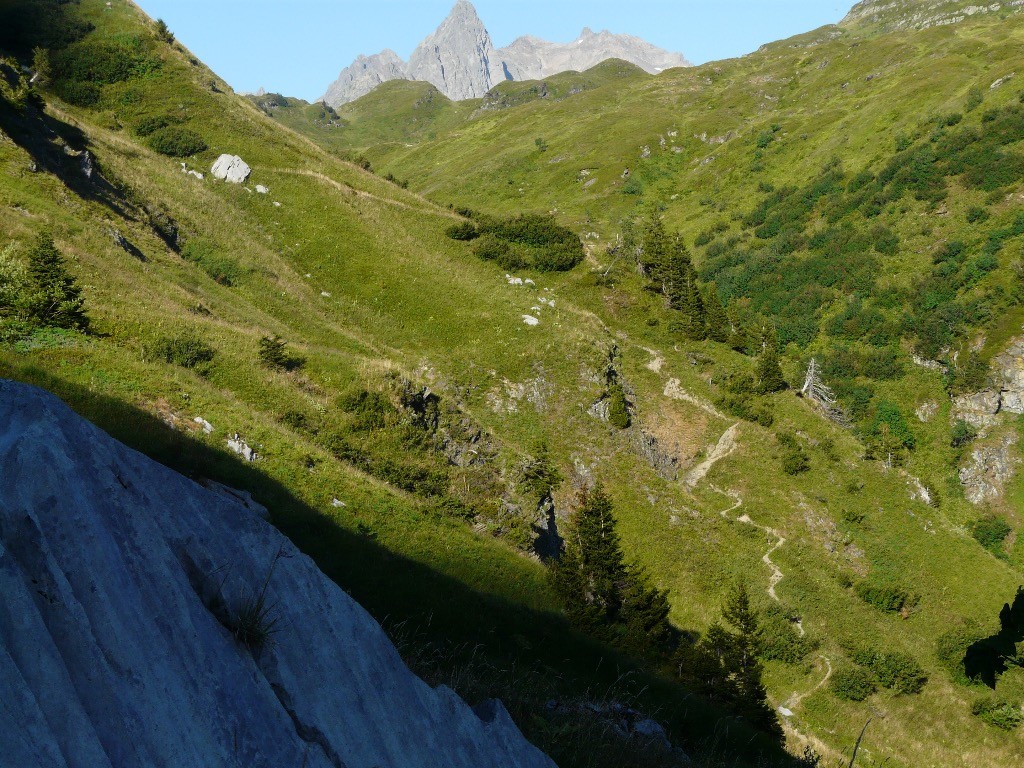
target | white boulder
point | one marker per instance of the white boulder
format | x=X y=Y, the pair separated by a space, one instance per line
x=231 y=168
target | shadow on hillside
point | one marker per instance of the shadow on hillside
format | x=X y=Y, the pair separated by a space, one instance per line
x=399 y=591
x=990 y=657
x=60 y=148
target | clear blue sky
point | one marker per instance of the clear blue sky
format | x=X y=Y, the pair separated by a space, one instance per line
x=297 y=47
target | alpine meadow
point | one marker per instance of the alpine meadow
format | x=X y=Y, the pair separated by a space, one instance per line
x=677 y=407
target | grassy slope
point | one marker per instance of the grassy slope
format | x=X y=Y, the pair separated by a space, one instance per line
x=404 y=297
x=845 y=92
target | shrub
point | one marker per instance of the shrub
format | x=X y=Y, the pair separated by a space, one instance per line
x=187 y=349
x=951 y=648
x=976 y=214
x=370 y=410
x=618 y=408
x=962 y=434
x=464 y=230
x=175 y=141
x=149 y=125
x=998 y=712
x=852 y=683
x=886 y=597
x=899 y=672
x=794 y=458
x=991 y=531
x=78 y=93
x=103 y=62
x=162 y=31
x=273 y=353
x=779 y=640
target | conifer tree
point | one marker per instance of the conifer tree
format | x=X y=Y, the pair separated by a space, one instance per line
x=752 y=702
x=655 y=250
x=645 y=610
x=716 y=318
x=739 y=336
x=55 y=300
x=769 y=372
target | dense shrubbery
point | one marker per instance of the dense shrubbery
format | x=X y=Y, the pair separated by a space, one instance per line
x=188 y=350
x=852 y=683
x=149 y=125
x=998 y=712
x=991 y=531
x=523 y=242
x=738 y=396
x=884 y=596
x=175 y=141
x=104 y=62
x=779 y=639
x=793 y=456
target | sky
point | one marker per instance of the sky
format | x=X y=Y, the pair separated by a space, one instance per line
x=298 y=47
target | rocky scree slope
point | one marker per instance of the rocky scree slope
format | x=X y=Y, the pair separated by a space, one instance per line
x=121 y=579
x=460 y=59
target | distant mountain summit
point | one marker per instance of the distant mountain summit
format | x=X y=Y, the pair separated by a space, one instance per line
x=460 y=59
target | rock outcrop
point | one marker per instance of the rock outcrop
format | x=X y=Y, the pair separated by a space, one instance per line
x=231 y=168
x=122 y=583
x=1006 y=395
x=459 y=59
x=991 y=466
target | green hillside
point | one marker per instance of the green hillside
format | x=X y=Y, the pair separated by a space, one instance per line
x=429 y=403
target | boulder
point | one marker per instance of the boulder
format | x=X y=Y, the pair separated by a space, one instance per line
x=978 y=409
x=231 y=168
x=121 y=580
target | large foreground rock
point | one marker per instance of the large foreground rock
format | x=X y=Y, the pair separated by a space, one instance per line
x=231 y=168
x=113 y=572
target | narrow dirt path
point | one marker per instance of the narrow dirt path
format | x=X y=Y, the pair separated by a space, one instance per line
x=797 y=697
x=725 y=446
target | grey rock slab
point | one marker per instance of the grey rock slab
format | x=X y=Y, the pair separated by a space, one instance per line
x=117 y=574
x=231 y=168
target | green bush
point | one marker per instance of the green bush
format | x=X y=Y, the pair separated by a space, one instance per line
x=149 y=125
x=885 y=597
x=794 y=458
x=997 y=712
x=991 y=531
x=852 y=683
x=273 y=353
x=175 y=141
x=105 y=62
x=779 y=640
x=370 y=410
x=464 y=230
x=951 y=648
x=899 y=672
x=78 y=93
x=976 y=214
x=618 y=408
x=187 y=349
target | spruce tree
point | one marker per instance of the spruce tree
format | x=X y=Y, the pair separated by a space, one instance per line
x=655 y=251
x=769 y=371
x=645 y=610
x=55 y=300
x=717 y=320
x=752 y=702
x=739 y=337
x=590 y=576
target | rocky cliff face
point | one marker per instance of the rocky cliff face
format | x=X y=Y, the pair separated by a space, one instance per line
x=122 y=582
x=461 y=61
x=457 y=57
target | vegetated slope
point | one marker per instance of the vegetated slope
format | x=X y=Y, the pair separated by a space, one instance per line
x=379 y=480
x=858 y=189
x=314 y=337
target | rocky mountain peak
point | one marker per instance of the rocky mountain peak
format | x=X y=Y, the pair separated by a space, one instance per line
x=460 y=60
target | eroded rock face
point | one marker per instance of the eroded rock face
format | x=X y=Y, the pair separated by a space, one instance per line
x=979 y=409
x=119 y=578
x=1009 y=367
x=991 y=466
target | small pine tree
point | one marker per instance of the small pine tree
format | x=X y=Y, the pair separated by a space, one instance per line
x=645 y=610
x=55 y=299
x=654 y=253
x=593 y=558
x=717 y=320
x=739 y=337
x=769 y=371
x=618 y=408
x=273 y=353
